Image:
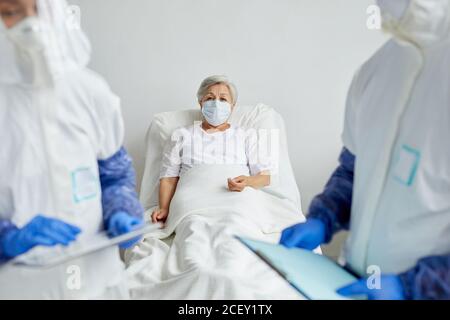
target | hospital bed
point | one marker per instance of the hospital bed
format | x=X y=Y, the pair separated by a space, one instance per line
x=256 y=117
x=199 y=258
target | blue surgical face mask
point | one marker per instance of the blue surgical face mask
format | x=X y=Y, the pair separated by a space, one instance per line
x=216 y=112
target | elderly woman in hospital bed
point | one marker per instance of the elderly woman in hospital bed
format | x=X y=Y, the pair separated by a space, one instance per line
x=212 y=141
x=225 y=188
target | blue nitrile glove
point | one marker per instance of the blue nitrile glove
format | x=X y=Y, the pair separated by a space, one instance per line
x=308 y=235
x=41 y=231
x=391 y=288
x=120 y=223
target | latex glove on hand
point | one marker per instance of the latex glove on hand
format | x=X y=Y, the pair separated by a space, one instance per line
x=238 y=184
x=40 y=231
x=307 y=235
x=160 y=215
x=391 y=288
x=121 y=223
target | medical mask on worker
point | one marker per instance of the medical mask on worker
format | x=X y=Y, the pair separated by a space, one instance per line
x=28 y=35
x=422 y=22
x=30 y=40
x=216 y=112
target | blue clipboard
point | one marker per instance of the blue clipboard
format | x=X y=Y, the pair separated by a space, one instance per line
x=315 y=276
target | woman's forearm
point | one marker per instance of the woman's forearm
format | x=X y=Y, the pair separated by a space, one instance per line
x=167 y=189
x=259 y=181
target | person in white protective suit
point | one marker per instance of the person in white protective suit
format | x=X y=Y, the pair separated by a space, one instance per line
x=64 y=172
x=392 y=188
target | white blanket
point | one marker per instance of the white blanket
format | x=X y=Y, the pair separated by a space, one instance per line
x=203 y=260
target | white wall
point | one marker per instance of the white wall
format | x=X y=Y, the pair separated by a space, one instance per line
x=295 y=55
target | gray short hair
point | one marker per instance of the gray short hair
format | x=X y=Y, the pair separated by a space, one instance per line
x=213 y=80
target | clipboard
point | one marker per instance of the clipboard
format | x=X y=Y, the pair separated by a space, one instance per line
x=49 y=257
x=315 y=276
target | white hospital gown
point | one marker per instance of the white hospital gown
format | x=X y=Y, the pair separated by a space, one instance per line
x=192 y=145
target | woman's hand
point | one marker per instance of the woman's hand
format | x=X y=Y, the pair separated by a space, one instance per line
x=257 y=182
x=238 y=184
x=160 y=215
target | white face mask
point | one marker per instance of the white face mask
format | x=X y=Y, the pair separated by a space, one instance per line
x=28 y=35
x=424 y=23
x=216 y=112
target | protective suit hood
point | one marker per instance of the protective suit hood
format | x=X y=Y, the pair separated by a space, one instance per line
x=421 y=22
x=65 y=46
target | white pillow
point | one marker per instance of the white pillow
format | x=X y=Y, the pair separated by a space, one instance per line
x=257 y=117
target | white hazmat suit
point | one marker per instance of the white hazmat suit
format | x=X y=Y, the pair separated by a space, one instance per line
x=397 y=125
x=58 y=119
